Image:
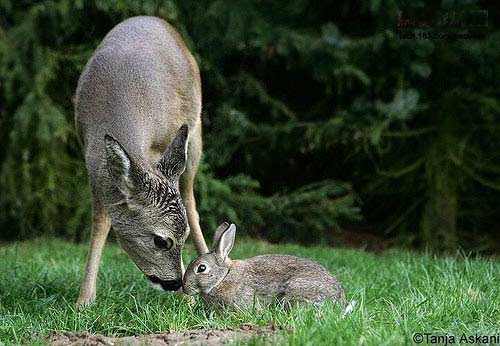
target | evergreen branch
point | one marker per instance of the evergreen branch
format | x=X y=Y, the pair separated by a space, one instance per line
x=409 y=133
x=399 y=173
x=476 y=177
x=253 y=85
x=402 y=217
x=481 y=166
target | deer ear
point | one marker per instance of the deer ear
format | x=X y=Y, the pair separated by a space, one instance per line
x=226 y=242
x=124 y=172
x=173 y=162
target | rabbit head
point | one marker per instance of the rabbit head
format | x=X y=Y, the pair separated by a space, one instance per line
x=207 y=271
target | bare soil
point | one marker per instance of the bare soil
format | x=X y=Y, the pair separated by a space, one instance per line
x=198 y=337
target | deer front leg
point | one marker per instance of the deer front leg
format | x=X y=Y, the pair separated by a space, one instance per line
x=187 y=185
x=194 y=221
x=100 y=230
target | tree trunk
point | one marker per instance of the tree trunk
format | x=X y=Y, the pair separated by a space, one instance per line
x=439 y=220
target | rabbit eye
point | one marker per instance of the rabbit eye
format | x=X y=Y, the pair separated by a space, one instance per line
x=201 y=268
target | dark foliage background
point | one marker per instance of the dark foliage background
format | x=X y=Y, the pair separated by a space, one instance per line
x=317 y=118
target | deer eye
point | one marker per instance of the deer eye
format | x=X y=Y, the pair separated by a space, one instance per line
x=163 y=243
x=201 y=268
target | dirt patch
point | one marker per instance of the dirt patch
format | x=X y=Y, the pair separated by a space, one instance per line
x=197 y=337
x=361 y=239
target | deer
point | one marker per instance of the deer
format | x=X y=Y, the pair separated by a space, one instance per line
x=138 y=118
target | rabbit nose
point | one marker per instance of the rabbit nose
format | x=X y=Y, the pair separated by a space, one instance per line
x=167 y=285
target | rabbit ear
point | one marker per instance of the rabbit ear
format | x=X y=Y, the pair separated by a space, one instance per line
x=226 y=241
x=218 y=233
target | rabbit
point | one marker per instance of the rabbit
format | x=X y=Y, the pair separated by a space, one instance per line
x=262 y=279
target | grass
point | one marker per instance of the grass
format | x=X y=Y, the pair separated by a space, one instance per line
x=398 y=293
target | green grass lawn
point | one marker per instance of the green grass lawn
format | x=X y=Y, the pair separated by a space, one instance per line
x=397 y=293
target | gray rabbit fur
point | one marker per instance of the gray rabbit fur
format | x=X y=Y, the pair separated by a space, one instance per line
x=262 y=279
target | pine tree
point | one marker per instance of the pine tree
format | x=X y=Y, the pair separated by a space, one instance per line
x=312 y=121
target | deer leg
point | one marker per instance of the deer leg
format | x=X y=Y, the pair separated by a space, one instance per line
x=187 y=184
x=100 y=230
x=194 y=221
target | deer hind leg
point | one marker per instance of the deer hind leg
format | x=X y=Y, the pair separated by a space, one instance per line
x=100 y=230
x=187 y=185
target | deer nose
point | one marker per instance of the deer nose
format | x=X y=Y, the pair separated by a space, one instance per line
x=167 y=285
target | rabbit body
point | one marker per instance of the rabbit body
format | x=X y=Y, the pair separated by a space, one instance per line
x=268 y=278
x=257 y=280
